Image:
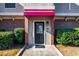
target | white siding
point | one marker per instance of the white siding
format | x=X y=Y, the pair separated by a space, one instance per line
x=19 y=10
x=38 y=5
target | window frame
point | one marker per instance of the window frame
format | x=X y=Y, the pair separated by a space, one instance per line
x=10 y=7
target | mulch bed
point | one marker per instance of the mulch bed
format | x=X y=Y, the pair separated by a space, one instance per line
x=68 y=50
x=12 y=51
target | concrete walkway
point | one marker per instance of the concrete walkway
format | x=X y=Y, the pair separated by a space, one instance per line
x=47 y=51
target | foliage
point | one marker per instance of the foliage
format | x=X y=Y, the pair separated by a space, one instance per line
x=6 y=40
x=67 y=36
x=19 y=34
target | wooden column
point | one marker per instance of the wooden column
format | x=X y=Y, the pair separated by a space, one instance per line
x=26 y=30
x=52 y=31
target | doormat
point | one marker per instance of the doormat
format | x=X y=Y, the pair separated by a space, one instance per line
x=39 y=46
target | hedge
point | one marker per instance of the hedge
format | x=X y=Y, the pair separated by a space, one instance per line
x=19 y=35
x=2 y=30
x=6 y=40
x=67 y=36
x=59 y=33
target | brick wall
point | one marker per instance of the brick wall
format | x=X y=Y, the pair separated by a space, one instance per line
x=9 y=24
x=66 y=24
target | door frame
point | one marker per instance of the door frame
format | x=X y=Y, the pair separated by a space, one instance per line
x=34 y=30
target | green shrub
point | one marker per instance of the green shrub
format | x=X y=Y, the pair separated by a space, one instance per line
x=76 y=38
x=67 y=36
x=77 y=29
x=6 y=40
x=19 y=34
x=59 y=33
x=76 y=42
x=64 y=38
x=2 y=30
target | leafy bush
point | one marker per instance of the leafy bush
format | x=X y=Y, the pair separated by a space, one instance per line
x=6 y=40
x=76 y=38
x=2 y=29
x=68 y=36
x=19 y=34
x=65 y=38
x=77 y=29
x=59 y=33
x=76 y=42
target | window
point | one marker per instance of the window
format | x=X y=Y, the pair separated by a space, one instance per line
x=9 y=5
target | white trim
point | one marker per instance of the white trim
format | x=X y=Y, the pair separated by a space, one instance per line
x=39 y=11
x=59 y=53
x=69 y=6
x=67 y=14
x=20 y=51
x=34 y=29
x=13 y=19
x=11 y=14
x=1 y=19
x=38 y=5
x=77 y=19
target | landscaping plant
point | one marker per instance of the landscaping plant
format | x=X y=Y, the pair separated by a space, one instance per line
x=68 y=36
x=6 y=40
x=19 y=34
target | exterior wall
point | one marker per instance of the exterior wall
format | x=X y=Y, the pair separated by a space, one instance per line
x=48 y=37
x=0 y=24
x=67 y=9
x=48 y=6
x=19 y=10
x=26 y=31
x=9 y=24
x=52 y=30
x=66 y=24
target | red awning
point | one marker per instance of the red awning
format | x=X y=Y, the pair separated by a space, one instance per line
x=39 y=13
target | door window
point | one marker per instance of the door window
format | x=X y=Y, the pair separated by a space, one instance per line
x=39 y=28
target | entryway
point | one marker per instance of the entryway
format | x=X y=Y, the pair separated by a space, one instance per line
x=39 y=31
x=39 y=34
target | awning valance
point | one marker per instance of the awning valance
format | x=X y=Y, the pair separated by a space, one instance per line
x=39 y=13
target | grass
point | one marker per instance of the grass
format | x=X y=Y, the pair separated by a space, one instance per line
x=9 y=52
x=68 y=50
